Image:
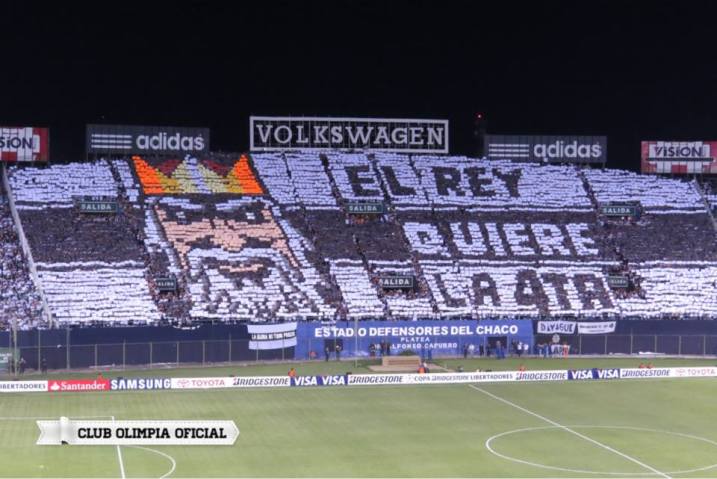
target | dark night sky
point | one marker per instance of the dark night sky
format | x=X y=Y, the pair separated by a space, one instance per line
x=631 y=70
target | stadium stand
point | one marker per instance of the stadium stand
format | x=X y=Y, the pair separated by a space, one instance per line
x=19 y=301
x=268 y=237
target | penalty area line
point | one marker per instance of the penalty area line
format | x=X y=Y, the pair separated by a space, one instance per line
x=567 y=429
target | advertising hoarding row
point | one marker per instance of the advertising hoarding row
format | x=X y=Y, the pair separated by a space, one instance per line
x=32 y=144
x=134 y=384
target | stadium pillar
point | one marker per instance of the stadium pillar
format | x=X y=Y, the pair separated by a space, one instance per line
x=15 y=349
x=631 y=341
x=68 y=348
x=580 y=343
x=704 y=345
x=150 y=353
x=655 y=350
x=605 y=345
x=230 y=347
x=39 y=348
x=679 y=345
x=356 y=342
x=95 y=355
x=177 y=353
x=124 y=355
x=204 y=352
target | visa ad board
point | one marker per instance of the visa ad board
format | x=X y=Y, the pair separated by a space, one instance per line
x=679 y=157
x=440 y=338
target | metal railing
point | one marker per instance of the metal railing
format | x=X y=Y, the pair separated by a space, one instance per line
x=207 y=352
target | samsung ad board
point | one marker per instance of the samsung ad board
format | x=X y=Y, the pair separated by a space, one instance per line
x=369 y=134
x=24 y=144
x=441 y=338
x=679 y=157
x=146 y=140
x=548 y=149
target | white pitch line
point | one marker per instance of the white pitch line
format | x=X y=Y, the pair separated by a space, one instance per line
x=171 y=459
x=567 y=429
x=119 y=454
x=39 y=418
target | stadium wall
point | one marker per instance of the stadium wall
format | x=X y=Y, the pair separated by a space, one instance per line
x=144 y=345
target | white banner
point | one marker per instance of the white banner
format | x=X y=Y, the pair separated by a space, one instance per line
x=597 y=328
x=455 y=378
x=559 y=327
x=23 y=386
x=202 y=383
x=547 y=375
x=91 y=433
x=639 y=373
x=261 y=381
x=693 y=372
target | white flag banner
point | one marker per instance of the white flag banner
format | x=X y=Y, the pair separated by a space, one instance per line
x=559 y=327
x=596 y=328
x=108 y=432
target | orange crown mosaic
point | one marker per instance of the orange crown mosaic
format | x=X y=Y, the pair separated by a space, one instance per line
x=191 y=175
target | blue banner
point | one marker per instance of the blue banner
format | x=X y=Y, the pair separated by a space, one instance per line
x=426 y=338
x=334 y=380
x=594 y=373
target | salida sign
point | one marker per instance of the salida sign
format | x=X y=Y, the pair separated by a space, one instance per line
x=137 y=140
x=548 y=149
x=376 y=134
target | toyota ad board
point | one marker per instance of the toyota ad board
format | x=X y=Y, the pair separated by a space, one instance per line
x=146 y=140
x=547 y=149
x=679 y=157
x=24 y=144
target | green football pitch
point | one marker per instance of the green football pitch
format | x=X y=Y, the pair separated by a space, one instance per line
x=626 y=428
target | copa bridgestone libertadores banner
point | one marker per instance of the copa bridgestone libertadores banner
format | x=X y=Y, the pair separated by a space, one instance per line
x=24 y=144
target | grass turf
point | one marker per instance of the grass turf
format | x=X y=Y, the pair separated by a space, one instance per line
x=405 y=431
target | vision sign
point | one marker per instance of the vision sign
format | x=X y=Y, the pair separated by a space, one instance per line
x=377 y=134
x=679 y=157
x=24 y=144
